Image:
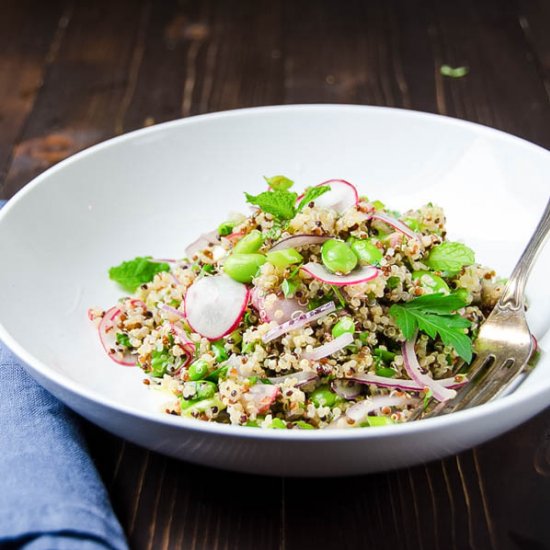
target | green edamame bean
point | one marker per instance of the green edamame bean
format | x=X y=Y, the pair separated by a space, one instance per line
x=323 y=397
x=226 y=228
x=300 y=424
x=284 y=258
x=367 y=252
x=249 y=243
x=432 y=282
x=338 y=257
x=205 y=389
x=278 y=424
x=345 y=324
x=243 y=267
x=198 y=370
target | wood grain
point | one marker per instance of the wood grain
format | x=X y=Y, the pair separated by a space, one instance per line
x=74 y=73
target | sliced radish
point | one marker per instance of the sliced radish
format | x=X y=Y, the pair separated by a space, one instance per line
x=107 y=336
x=406 y=385
x=414 y=370
x=201 y=243
x=302 y=378
x=183 y=338
x=342 y=195
x=261 y=396
x=362 y=274
x=296 y=241
x=214 y=306
x=396 y=224
x=299 y=321
x=267 y=312
x=329 y=348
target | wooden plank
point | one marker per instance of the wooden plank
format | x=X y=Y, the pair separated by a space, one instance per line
x=28 y=45
x=84 y=88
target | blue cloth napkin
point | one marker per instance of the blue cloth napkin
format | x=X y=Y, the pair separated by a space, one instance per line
x=51 y=496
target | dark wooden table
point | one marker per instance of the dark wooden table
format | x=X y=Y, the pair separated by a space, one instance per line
x=73 y=73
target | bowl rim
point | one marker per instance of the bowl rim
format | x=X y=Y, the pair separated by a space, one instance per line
x=81 y=391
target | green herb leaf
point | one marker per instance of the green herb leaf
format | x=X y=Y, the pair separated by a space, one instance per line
x=450 y=256
x=433 y=315
x=289 y=287
x=226 y=228
x=279 y=183
x=311 y=194
x=131 y=274
x=453 y=72
x=123 y=339
x=279 y=204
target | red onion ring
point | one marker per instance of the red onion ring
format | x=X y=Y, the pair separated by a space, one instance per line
x=329 y=348
x=172 y=310
x=414 y=370
x=299 y=321
x=302 y=378
x=296 y=241
x=395 y=223
x=201 y=242
x=406 y=385
x=261 y=396
x=346 y=389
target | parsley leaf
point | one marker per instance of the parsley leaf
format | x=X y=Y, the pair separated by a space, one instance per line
x=453 y=72
x=133 y=273
x=279 y=183
x=450 y=256
x=311 y=194
x=433 y=314
x=279 y=204
x=289 y=287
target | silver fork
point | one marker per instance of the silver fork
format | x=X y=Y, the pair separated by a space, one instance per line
x=504 y=343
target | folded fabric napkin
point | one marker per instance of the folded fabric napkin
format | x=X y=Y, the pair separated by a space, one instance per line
x=51 y=496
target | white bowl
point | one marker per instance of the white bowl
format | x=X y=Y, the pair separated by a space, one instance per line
x=152 y=192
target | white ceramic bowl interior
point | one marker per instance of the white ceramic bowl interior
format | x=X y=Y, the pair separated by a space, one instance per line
x=154 y=190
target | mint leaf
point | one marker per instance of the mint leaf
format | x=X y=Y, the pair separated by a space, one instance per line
x=453 y=72
x=450 y=256
x=279 y=183
x=289 y=287
x=432 y=314
x=279 y=204
x=133 y=273
x=123 y=339
x=311 y=194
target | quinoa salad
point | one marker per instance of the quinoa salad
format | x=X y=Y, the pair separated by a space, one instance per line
x=319 y=310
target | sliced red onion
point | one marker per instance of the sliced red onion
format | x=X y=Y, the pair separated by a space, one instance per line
x=175 y=280
x=163 y=260
x=299 y=321
x=347 y=389
x=296 y=241
x=201 y=243
x=172 y=310
x=184 y=339
x=396 y=224
x=214 y=306
x=107 y=336
x=406 y=385
x=288 y=307
x=329 y=348
x=362 y=274
x=302 y=378
x=414 y=370
x=342 y=195
x=261 y=396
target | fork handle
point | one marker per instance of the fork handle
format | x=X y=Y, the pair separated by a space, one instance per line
x=513 y=296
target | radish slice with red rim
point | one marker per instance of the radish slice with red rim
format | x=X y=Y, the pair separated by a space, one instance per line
x=414 y=370
x=342 y=196
x=183 y=338
x=296 y=241
x=362 y=274
x=261 y=396
x=107 y=335
x=201 y=243
x=214 y=306
x=329 y=348
x=299 y=321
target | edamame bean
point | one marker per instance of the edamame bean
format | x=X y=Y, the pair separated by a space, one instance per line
x=249 y=243
x=463 y=294
x=432 y=282
x=338 y=257
x=198 y=370
x=323 y=397
x=284 y=258
x=278 y=424
x=345 y=324
x=243 y=267
x=368 y=253
x=205 y=389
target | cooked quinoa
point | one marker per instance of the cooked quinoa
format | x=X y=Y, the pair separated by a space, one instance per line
x=246 y=377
